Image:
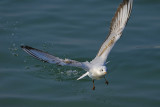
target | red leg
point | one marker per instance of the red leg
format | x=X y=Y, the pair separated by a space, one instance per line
x=106 y=82
x=93 y=85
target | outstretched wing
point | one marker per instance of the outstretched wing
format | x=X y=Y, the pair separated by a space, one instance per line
x=117 y=26
x=43 y=56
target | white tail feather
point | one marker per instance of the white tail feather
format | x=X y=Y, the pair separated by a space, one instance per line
x=83 y=75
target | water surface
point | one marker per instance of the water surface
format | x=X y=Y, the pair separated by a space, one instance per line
x=76 y=29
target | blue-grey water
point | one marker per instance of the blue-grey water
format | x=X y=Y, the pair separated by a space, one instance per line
x=76 y=29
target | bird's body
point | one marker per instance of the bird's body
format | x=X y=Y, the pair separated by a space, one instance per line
x=92 y=70
x=96 y=68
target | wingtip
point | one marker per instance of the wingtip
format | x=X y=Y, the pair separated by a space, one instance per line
x=22 y=46
x=26 y=47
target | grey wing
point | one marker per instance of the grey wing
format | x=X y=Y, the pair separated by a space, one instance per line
x=44 y=56
x=116 y=28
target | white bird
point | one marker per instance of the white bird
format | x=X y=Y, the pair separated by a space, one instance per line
x=96 y=68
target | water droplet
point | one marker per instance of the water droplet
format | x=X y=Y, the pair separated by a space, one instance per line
x=12 y=34
x=27 y=67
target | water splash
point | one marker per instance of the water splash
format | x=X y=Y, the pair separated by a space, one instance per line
x=14 y=50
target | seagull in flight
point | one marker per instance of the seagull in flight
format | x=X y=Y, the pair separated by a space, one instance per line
x=95 y=69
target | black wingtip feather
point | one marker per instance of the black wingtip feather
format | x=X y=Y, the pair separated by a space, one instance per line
x=22 y=46
x=26 y=47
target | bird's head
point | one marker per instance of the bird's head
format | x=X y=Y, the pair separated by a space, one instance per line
x=102 y=70
x=99 y=71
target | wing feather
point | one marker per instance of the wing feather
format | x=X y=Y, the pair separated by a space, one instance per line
x=117 y=26
x=45 y=57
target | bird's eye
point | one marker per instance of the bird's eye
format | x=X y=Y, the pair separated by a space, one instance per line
x=101 y=70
